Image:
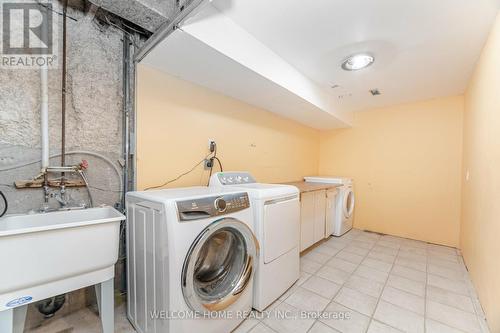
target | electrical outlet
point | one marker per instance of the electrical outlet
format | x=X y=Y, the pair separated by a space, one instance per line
x=209 y=163
x=211 y=145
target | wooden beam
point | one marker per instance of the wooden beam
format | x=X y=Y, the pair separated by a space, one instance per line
x=38 y=183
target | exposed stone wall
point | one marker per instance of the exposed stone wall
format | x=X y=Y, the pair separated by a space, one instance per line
x=94 y=118
x=94 y=111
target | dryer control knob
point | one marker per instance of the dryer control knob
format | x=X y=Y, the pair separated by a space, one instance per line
x=220 y=204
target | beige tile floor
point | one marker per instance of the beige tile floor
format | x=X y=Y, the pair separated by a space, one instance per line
x=380 y=284
x=383 y=284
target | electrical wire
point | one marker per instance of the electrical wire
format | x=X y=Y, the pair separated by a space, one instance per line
x=103 y=189
x=55 y=11
x=125 y=25
x=83 y=175
x=212 y=164
x=6 y=204
x=220 y=164
x=132 y=39
x=180 y=176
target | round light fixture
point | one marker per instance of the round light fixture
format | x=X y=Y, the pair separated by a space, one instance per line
x=357 y=62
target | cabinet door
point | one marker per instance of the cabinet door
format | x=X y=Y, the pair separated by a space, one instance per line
x=306 y=220
x=331 y=198
x=319 y=215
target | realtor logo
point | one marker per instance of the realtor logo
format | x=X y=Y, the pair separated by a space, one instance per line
x=28 y=30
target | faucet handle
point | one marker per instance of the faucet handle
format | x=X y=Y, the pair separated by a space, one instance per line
x=84 y=165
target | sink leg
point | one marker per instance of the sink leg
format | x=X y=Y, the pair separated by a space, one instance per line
x=105 y=303
x=12 y=320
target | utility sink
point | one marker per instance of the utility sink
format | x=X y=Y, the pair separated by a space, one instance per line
x=46 y=254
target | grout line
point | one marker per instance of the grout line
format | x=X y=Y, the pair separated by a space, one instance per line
x=341 y=284
x=314 y=274
x=469 y=295
x=350 y=275
x=261 y=322
x=383 y=288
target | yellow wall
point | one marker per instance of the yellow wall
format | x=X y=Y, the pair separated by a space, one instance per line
x=176 y=119
x=406 y=164
x=406 y=160
x=480 y=232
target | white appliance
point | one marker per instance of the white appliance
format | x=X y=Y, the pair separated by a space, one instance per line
x=277 y=227
x=342 y=220
x=191 y=259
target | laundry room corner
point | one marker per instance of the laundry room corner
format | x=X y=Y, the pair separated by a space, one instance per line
x=406 y=162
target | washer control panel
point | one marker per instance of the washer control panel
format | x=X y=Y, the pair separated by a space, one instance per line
x=200 y=208
x=232 y=178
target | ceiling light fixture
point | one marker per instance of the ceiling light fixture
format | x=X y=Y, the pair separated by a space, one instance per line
x=357 y=62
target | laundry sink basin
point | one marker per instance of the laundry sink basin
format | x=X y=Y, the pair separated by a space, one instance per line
x=42 y=255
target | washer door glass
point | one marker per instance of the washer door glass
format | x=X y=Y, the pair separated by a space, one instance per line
x=348 y=203
x=219 y=265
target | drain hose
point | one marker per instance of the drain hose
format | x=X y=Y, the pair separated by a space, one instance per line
x=48 y=307
x=6 y=205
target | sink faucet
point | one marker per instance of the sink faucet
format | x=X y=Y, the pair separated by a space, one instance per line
x=61 y=197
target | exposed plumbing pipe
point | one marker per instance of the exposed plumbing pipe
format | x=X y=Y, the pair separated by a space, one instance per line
x=5 y=203
x=126 y=115
x=44 y=119
x=74 y=152
x=62 y=184
x=63 y=93
x=44 y=108
x=50 y=306
x=126 y=145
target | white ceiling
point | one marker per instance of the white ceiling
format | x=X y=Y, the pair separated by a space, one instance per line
x=423 y=48
x=236 y=64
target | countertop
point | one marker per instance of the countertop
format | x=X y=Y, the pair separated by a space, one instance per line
x=309 y=186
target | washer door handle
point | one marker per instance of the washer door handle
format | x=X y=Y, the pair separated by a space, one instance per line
x=247 y=274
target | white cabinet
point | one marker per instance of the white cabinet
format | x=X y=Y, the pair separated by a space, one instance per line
x=306 y=220
x=312 y=218
x=319 y=215
x=331 y=200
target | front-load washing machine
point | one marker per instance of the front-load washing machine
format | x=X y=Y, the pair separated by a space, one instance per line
x=191 y=259
x=342 y=220
x=277 y=227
